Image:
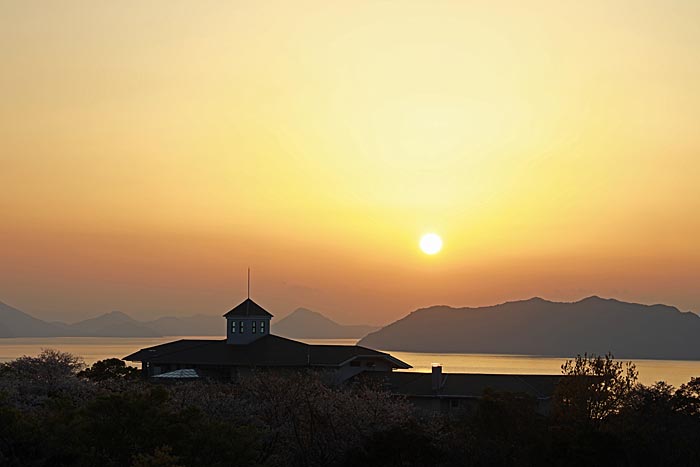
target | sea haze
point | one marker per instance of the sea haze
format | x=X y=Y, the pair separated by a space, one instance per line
x=302 y=323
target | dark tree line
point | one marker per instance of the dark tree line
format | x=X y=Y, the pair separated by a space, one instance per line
x=56 y=412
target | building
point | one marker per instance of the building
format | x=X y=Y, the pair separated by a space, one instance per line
x=446 y=392
x=250 y=345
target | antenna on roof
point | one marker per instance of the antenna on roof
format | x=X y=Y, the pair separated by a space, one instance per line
x=248 y=282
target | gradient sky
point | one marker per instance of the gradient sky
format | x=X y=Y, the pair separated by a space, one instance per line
x=151 y=151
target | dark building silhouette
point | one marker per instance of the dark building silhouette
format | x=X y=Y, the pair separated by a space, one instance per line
x=445 y=392
x=250 y=345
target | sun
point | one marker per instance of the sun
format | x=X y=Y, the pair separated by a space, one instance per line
x=431 y=243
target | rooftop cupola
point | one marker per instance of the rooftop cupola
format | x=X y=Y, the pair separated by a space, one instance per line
x=246 y=323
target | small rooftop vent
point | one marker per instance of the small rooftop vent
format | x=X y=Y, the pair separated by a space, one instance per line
x=436 y=377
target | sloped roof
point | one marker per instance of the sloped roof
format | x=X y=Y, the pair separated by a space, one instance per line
x=248 y=308
x=269 y=350
x=467 y=384
x=339 y=354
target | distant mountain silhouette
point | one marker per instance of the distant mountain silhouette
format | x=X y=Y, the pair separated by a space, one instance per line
x=198 y=325
x=541 y=327
x=304 y=323
x=16 y=323
x=114 y=324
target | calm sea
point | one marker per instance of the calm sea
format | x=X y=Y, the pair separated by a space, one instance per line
x=675 y=372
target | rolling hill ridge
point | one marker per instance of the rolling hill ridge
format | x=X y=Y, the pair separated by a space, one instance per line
x=308 y=324
x=302 y=323
x=541 y=327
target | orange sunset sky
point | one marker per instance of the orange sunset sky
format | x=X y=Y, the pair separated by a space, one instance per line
x=151 y=151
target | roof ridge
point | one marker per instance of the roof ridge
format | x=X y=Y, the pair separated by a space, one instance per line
x=174 y=351
x=248 y=307
x=534 y=389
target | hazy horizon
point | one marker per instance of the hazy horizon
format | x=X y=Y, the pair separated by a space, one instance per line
x=151 y=152
x=140 y=315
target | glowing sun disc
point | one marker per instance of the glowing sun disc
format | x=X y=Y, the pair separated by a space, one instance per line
x=430 y=243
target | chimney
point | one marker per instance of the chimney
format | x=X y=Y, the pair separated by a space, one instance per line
x=437 y=377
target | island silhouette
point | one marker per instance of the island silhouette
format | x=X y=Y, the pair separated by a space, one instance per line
x=541 y=327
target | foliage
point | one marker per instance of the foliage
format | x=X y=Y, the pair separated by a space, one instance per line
x=660 y=425
x=49 y=367
x=508 y=428
x=111 y=368
x=687 y=398
x=316 y=424
x=600 y=416
x=406 y=445
x=594 y=388
x=161 y=457
x=31 y=382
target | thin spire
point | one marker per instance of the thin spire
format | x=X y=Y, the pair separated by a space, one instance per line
x=248 y=282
